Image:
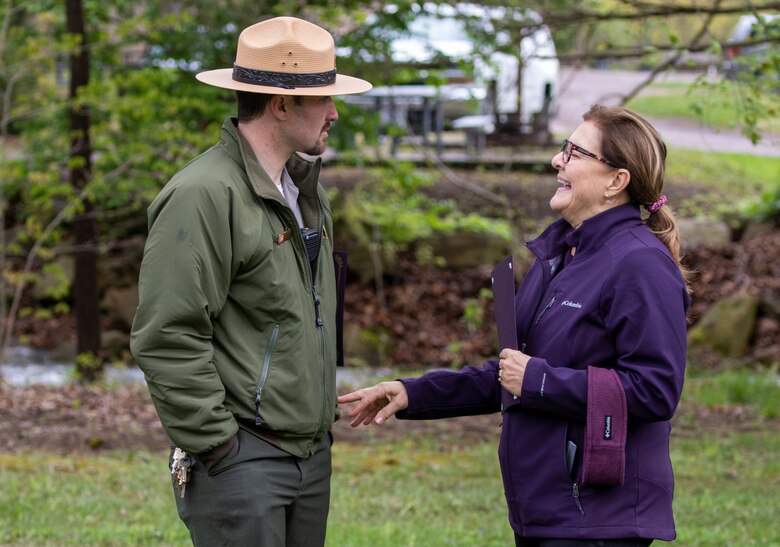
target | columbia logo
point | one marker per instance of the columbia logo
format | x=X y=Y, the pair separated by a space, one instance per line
x=571 y=304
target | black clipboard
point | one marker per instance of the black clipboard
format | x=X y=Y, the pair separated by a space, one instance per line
x=340 y=266
x=503 y=281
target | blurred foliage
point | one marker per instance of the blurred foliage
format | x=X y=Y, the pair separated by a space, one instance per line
x=356 y=126
x=389 y=209
x=149 y=115
x=764 y=208
x=474 y=310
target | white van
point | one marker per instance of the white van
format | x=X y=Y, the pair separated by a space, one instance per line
x=740 y=60
x=439 y=39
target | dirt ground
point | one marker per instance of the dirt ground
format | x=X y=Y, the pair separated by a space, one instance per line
x=79 y=420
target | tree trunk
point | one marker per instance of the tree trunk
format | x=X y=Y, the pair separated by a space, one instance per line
x=85 y=289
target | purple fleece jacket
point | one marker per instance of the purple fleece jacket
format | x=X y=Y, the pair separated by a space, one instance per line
x=619 y=304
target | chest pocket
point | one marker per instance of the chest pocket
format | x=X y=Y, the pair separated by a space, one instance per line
x=571 y=322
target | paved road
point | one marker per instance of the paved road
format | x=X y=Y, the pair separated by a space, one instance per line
x=582 y=88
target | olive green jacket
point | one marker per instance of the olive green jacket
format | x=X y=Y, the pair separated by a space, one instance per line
x=232 y=324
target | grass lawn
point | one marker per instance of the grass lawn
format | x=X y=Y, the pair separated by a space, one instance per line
x=736 y=174
x=724 y=184
x=723 y=105
x=412 y=490
x=407 y=494
x=726 y=489
x=417 y=493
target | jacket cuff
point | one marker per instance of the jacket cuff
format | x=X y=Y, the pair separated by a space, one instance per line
x=533 y=386
x=412 y=386
x=212 y=457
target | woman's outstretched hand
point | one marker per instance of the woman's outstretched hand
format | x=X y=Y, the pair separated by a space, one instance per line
x=376 y=403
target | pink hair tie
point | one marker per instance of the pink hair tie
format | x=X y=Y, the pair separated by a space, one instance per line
x=657 y=204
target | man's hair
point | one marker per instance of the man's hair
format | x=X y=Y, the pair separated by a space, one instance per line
x=251 y=106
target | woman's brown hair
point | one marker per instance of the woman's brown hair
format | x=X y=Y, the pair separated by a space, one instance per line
x=630 y=142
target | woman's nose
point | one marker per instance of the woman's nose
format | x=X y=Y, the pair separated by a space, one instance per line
x=557 y=160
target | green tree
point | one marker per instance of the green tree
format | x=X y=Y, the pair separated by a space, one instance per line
x=87 y=144
x=147 y=115
x=84 y=150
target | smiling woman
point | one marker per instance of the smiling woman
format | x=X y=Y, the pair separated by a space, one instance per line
x=587 y=187
x=602 y=338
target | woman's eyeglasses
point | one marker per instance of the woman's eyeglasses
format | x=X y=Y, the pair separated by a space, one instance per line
x=569 y=146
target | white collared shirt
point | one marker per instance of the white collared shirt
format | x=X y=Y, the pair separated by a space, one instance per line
x=290 y=193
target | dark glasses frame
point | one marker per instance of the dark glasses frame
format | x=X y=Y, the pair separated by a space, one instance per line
x=569 y=147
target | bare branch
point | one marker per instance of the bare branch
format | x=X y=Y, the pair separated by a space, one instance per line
x=645 y=11
x=671 y=61
x=641 y=51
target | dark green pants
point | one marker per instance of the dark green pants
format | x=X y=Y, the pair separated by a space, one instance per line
x=259 y=495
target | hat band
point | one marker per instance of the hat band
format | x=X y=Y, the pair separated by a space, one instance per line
x=284 y=80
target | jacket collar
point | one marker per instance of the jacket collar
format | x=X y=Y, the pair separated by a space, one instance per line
x=303 y=172
x=591 y=235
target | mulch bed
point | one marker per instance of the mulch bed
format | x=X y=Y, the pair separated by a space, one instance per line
x=78 y=420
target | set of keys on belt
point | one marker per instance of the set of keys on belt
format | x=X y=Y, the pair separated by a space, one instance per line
x=180 y=468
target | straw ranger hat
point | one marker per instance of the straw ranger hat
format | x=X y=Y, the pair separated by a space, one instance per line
x=285 y=56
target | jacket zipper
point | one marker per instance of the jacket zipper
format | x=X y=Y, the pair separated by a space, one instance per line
x=264 y=374
x=575 y=492
x=547 y=307
x=317 y=318
x=536 y=322
x=319 y=322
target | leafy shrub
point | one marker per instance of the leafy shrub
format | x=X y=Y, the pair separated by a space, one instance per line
x=391 y=210
x=764 y=208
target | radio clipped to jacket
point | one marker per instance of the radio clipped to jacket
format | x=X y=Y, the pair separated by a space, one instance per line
x=311 y=240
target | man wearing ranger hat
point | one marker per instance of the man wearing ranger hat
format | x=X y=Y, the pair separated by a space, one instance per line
x=236 y=326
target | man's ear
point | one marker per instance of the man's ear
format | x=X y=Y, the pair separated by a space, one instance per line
x=278 y=106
